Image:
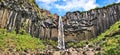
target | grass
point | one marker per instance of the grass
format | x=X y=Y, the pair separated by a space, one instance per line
x=50 y=42
x=19 y=42
x=111 y=44
x=112 y=29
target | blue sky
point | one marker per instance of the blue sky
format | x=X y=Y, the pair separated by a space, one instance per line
x=60 y=7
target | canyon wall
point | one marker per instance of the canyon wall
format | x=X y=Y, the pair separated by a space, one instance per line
x=25 y=16
x=89 y=24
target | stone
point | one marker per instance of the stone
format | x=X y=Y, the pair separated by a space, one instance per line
x=98 y=48
x=80 y=53
x=22 y=53
x=49 y=21
x=64 y=53
x=89 y=53
x=28 y=54
x=56 y=53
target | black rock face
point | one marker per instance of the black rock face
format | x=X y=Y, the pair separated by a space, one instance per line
x=91 y=23
x=18 y=15
x=23 y=15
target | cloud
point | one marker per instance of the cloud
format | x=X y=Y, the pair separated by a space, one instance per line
x=77 y=4
x=118 y=1
x=67 y=5
x=47 y=1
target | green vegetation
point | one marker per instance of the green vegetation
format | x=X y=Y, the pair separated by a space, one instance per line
x=50 y=42
x=108 y=40
x=19 y=42
x=113 y=51
x=112 y=45
x=112 y=29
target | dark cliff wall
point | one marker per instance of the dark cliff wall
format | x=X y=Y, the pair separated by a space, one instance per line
x=25 y=15
x=89 y=24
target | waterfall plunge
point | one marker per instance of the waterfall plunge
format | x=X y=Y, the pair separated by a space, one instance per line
x=61 y=43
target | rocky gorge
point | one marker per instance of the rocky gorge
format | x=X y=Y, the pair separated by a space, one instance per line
x=25 y=16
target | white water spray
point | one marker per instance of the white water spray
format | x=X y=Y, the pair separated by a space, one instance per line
x=61 y=43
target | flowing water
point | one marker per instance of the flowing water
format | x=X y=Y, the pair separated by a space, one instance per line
x=61 y=43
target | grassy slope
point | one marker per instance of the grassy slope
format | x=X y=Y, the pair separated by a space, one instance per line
x=111 y=42
x=19 y=41
x=108 y=40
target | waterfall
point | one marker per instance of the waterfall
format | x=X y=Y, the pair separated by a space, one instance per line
x=61 y=43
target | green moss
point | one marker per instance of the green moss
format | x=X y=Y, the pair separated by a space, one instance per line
x=71 y=44
x=113 y=51
x=18 y=41
x=50 y=42
x=31 y=1
x=50 y=15
x=81 y=44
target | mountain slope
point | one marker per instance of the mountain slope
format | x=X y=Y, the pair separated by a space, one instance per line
x=108 y=41
x=15 y=43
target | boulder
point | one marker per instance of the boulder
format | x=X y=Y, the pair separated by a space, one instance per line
x=56 y=53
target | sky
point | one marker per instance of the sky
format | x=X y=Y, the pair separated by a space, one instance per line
x=60 y=7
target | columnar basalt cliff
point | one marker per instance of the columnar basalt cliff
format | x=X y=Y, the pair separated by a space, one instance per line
x=25 y=15
x=89 y=24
